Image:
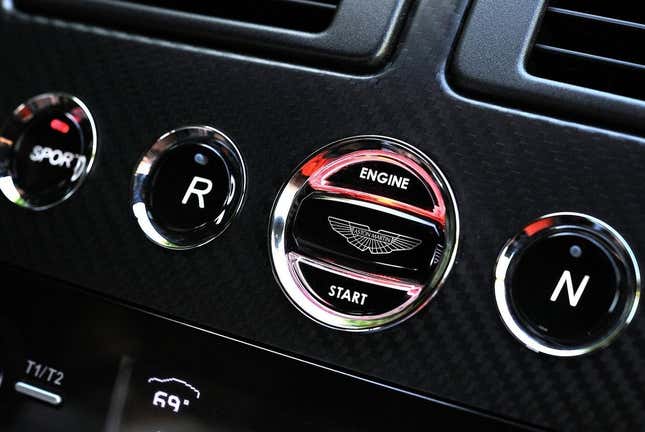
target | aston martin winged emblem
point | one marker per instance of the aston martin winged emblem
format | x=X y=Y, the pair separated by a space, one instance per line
x=376 y=242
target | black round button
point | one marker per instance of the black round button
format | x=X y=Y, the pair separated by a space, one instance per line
x=567 y=284
x=46 y=150
x=188 y=187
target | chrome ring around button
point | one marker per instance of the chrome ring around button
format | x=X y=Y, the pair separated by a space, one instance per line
x=567 y=287
x=57 y=170
x=215 y=147
x=311 y=179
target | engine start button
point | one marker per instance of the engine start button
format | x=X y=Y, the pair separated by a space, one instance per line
x=46 y=150
x=364 y=233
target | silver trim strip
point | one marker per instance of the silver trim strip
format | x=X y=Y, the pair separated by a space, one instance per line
x=38 y=393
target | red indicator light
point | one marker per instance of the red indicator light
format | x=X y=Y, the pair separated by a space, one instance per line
x=538 y=226
x=59 y=126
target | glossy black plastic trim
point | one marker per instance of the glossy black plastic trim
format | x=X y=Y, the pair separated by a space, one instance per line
x=360 y=37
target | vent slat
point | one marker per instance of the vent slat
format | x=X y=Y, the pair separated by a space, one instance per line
x=594 y=36
x=611 y=62
x=589 y=71
x=592 y=17
x=626 y=10
x=329 y=4
x=594 y=44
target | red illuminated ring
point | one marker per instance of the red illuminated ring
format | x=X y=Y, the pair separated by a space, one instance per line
x=318 y=181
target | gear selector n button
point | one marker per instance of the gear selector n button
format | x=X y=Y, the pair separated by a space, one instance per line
x=567 y=284
x=188 y=187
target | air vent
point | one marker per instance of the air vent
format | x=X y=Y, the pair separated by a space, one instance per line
x=352 y=34
x=599 y=44
x=303 y=15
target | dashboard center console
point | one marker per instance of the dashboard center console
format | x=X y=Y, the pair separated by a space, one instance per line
x=321 y=215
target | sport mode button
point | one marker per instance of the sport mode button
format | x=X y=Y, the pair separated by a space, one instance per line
x=188 y=187
x=46 y=150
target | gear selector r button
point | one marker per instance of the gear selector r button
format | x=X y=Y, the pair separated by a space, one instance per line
x=188 y=187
